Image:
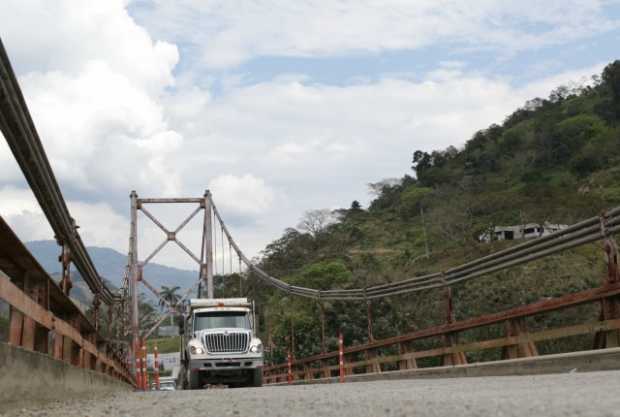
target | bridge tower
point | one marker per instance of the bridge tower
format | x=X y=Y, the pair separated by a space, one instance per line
x=135 y=267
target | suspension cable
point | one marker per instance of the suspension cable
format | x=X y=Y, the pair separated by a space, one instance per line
x=581 y=233
x=223 y=252
x=214 y=234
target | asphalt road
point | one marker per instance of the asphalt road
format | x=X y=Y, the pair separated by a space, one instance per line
x=571 y=394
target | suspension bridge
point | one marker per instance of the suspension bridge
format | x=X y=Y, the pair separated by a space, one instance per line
x=54 y=351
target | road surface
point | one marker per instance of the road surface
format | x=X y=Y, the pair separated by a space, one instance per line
x=571 y=394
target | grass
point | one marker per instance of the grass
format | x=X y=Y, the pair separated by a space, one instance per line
x=164 y=344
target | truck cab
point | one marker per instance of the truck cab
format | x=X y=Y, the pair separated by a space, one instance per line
x=219 y=344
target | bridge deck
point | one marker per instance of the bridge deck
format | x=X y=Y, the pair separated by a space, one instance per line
x=574 y=394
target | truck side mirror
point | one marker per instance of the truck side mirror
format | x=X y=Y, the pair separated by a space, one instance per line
x=181 y=325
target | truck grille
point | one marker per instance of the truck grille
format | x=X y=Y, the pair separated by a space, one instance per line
x=227 y=343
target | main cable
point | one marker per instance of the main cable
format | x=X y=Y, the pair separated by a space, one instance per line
x=586 y=231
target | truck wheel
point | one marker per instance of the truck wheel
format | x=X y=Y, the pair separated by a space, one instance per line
x=257 y=377
x=182 y=378
x=193 y=378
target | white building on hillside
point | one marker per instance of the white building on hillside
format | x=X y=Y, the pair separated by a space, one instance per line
x=521 y=231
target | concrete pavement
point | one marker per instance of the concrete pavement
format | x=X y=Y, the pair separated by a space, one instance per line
x=568 y=394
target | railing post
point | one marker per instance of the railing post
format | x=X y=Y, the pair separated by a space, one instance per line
x=341 y=356
x=610 y=307
x=373 y=366
x=57 y=350
x=517 y=327
x=141 y=374
x=325 y=371
x=139 y=371
x=29 y=325
x=408 y=363
x=145 y=380
x=96 y=306
x=156 y=366
x=15 y=327
x=371 y=337
x=138 y=365
x=65 y=260
x=289 y=358
x=40 y=293
x=451 y=339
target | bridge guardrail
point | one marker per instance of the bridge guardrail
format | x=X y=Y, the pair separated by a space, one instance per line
x=43 y=319
x=21 y=135
x=517 y=341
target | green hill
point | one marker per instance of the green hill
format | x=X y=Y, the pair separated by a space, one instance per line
x=555 y=159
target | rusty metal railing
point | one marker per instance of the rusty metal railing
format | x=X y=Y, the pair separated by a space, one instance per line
x=43 y=319
x=517 y=341
x=21 y=135
x=398 y=352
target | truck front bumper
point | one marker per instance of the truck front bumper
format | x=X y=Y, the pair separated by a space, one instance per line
x=232 y=363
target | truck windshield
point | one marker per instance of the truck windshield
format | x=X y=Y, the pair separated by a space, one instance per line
x=229 y=319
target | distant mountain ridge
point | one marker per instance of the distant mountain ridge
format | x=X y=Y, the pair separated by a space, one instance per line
x=111 y=266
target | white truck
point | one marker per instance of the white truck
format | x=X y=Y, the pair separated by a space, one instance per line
x=219 y=344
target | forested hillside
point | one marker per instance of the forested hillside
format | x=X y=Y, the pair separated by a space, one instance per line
x=555 y=159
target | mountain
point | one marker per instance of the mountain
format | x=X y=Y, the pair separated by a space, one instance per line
x=556 y=160
x=111 y=266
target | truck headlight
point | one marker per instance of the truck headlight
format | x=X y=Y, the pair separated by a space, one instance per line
x=257 y=348
x=196 y=350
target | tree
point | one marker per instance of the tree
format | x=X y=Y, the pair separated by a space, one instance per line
x=147 y=312
x=421 y=161
x=315 y=221
x=559 y=94
x=379 y=188
x=611 y=78
x=169 y=294
x=323 y=275
x=356 y=206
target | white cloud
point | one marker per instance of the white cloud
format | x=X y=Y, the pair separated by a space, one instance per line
x=110 y=121
x=9 y=169
x=288 y=131
x=93 y=80
x=93 y=84
x=20 y=210
x=98 y=120
x=244 y=195
x=230 y=32
x=62 y=35
x=319 y=145
x=99 y=224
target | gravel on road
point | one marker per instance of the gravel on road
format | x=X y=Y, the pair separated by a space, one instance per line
x=571 y=394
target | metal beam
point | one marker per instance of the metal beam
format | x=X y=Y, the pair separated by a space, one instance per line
x=21 y=135
x=169 y=200
x=133 y=277
x=206 y=270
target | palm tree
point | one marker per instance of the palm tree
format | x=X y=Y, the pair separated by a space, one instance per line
x=169 y=294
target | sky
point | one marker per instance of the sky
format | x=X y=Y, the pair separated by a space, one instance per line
x=276 y=106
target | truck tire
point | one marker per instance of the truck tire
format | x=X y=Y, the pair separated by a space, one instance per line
x=257 y=377
x=182 y=378
x=193 y=378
